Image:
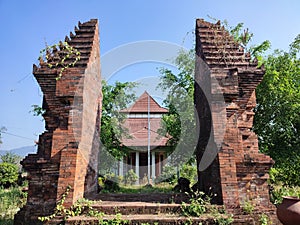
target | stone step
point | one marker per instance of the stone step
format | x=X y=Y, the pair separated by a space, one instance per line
x=166 y=219
x=144 y=197
x=131 y=208
x=142 y=213
x=158 y=219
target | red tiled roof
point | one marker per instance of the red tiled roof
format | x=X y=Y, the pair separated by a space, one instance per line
x=138 y=127
x=141 y=105
x=138 y=131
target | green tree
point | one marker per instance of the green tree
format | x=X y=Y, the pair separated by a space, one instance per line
x=115 y=98
x=12 y=158
x=8 y=174
x=180 y=122
x=277 y=119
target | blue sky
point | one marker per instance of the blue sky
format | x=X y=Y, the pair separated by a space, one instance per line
x=27 y=25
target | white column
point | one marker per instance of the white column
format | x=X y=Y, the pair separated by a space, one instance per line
x=137 y=166
x=153 y=166
x=121 y=165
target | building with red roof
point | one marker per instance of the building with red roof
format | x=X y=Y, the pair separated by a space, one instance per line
x=143 y=121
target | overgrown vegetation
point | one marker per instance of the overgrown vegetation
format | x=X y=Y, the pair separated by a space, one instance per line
x=247 y=206
x=170 y=173
x=63 y=58
x=10 y=169
x=11 y=200
x=264 y=220
x=81 y=208
x=279 y=190
x=200 y=204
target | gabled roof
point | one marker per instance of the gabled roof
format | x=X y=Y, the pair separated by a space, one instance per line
x=138 y=131
x=141 y=105
x=138 y=127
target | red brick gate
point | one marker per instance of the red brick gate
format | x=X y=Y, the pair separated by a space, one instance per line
x=68 y=149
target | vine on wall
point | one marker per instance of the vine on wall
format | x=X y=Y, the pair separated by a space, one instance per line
x=67 y=56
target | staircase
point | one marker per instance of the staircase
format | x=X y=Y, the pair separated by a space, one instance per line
x=140 y=209
x=141 y=213
x=151 y=209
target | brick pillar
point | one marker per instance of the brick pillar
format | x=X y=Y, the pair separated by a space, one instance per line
x=68 y=149
x=239 y=172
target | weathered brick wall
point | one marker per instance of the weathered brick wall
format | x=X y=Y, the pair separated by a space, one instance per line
x=68 y=149
x=242 y=171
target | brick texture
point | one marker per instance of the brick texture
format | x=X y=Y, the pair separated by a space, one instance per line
x=68 y=150
x=239 y=173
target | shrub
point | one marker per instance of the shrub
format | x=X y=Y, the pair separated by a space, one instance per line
x=111 y=186
x=8 y=174
x=286 y=169
x=11 y=200
x=168 y=175
x=113 y=177
x=130 y=177
x=197 y=206
x=189 y=171
x=277 y=191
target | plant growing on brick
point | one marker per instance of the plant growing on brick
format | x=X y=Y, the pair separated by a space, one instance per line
x=60 y=209
x=67 y=57
x=197 y=206
x=248 y=206
x=264 y=219
x=200 y=204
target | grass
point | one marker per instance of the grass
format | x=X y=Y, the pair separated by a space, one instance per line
x=11 y=200
x=157 y=188
x=138 y=189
